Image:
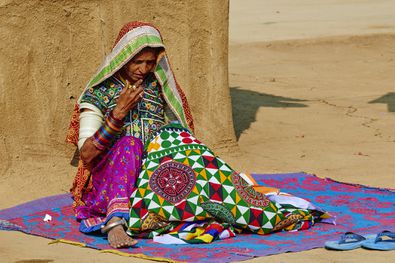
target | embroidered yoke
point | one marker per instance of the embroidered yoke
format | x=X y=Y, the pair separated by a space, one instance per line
x=146 y=118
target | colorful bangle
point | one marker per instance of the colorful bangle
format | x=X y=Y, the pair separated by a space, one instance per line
x=97 y=144
x=106 y=133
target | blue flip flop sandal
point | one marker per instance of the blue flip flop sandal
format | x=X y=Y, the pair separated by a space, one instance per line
x=383 y=241
x=348 y=241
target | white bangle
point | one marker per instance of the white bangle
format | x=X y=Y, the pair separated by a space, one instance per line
x=90 y=122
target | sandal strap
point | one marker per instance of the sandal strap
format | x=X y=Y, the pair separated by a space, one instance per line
x=350 y=237
x=107 y=228
x=385 y=233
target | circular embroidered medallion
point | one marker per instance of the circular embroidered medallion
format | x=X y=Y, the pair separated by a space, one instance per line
x=173 y=181
x=219 y=211
x=248 y=193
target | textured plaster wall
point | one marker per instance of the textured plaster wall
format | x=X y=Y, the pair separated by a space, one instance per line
x=50 y=49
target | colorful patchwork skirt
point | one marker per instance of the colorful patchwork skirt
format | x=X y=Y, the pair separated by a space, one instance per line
x=186 y=194
x=114 y=180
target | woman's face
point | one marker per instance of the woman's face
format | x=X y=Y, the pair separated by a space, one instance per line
x=139 y=67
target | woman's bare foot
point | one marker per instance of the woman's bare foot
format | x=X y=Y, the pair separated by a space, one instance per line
x=117 y=237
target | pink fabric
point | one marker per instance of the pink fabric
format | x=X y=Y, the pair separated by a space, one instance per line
x=114 y=179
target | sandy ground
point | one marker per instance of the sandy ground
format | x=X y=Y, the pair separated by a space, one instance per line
x=312 y=86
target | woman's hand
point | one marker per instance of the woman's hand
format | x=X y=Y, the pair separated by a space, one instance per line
x=129 y=97
x=89 y=152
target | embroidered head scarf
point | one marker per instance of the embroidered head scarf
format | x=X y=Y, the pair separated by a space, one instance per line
x=132 y=38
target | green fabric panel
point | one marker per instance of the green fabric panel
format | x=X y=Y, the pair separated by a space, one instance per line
x=170 y=96
x=125 y=54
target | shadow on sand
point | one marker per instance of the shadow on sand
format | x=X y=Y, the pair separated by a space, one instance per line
x=388 y=99
x=245 y=105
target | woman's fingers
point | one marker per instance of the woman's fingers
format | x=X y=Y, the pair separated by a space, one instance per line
x=138 y=83
x=124 y=90
x=139 y=90
x=131 y=98
x=130 y=95
x=137 y=95
x=127 y=86
x=131 y=88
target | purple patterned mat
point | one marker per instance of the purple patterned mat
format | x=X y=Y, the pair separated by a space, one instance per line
x=359 y=209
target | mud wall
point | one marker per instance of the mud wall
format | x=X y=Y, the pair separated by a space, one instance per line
x=50 y=49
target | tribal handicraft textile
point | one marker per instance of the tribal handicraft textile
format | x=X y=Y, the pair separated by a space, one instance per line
x=186 y=194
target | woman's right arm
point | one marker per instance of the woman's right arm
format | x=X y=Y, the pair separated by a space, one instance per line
x=89 y=124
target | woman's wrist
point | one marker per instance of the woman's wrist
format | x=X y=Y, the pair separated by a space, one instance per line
x=90 y=151
x=111 y=127
x=118 y=114
x=115 y=120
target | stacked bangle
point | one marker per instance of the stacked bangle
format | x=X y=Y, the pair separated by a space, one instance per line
x=104 y=135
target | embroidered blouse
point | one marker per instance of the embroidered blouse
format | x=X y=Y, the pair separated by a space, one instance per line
x=144 y=119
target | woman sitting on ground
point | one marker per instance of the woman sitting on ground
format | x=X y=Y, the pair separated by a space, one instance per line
x=131 y=96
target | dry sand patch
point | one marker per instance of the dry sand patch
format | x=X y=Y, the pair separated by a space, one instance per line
x=316 y=105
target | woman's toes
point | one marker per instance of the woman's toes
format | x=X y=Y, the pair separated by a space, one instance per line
x=117 y=238
x=133 y=242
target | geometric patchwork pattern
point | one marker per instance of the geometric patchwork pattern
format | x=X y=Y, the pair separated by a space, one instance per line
x=182 y=180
